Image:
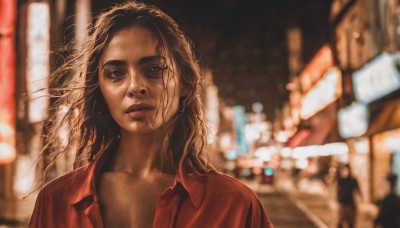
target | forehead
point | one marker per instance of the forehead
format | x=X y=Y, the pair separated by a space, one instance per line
x=131 y=42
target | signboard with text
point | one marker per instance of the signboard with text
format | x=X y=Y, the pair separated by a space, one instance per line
x=353 y=120
x=377 y=79
x=327 y=90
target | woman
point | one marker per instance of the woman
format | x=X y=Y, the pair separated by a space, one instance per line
x=139 y=125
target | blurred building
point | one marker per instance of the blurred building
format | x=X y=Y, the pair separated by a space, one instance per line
x=347 y=96
x=7 y=99
x=29 y=29
x=367 y=45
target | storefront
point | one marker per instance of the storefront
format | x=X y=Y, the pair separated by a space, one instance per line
x=312 y=108
x=316 y=107
x=372 y=125
x=385 y=140
x=386 y=149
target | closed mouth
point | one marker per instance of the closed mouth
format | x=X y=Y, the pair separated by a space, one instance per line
x=139 y=107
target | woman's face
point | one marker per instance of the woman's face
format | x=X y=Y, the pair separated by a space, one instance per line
x=139 y=85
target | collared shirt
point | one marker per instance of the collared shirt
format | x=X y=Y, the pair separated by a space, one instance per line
x=193 y=200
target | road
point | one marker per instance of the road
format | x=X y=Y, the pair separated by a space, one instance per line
x=283 y=212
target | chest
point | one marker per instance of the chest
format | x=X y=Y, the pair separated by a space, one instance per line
x=129 y=203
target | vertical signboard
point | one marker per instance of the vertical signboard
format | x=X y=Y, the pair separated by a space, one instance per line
x=37 y=60
x=325 y=92
x=239 y=120
x=7 y=81
x=316 y=68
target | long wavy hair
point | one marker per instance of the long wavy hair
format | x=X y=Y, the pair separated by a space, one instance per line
x=92 y=130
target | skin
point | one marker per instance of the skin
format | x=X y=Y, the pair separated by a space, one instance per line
x=131 y=71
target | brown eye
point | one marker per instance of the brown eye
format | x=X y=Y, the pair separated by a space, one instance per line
x=116 y=74
x=154 y=71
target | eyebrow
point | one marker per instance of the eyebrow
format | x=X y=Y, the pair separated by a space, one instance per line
x=151 y=59
x=142 y=61
x=114 y=63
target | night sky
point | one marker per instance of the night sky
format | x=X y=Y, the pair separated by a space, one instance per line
x=244 y=42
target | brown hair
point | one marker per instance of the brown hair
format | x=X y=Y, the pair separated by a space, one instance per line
x=92 y=129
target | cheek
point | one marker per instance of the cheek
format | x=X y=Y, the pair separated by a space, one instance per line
x=111 y=96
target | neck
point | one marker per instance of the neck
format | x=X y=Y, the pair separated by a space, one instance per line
x=139 y=155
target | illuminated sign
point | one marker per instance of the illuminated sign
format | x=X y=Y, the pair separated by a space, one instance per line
x=376 y=79
x=239 y=123
x=8 y=12
x=338 y=148
x=315 y=70
x=37 y=59
x=353 y=120
x=327 y=90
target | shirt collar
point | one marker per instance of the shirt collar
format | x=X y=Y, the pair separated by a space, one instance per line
x=87 y=184
x=194 y=184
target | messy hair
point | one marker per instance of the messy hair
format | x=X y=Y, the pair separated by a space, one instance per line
x=92 y=130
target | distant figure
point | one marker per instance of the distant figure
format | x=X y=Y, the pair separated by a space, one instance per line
x=389 y=208
x=296 y=172
x=347 y=186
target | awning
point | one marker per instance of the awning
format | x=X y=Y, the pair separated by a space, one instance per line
x=322 y=129
x=313 y=136
x=298 y=137
x=317 y=135
x=386 y=119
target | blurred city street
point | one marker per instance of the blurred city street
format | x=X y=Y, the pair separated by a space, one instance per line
x=310 y=205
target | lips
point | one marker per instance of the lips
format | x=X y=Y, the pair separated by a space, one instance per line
x=139 y=110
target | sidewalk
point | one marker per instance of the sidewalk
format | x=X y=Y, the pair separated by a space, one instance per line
x=317 y=202
x=16 y=212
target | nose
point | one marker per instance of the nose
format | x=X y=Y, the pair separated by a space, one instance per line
x=136 y=86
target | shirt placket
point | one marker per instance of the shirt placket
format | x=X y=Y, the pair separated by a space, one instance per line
x=167 y=208
x=94 y=214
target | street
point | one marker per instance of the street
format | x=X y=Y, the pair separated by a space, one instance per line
x=283 y=212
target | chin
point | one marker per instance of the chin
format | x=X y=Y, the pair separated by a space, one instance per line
x=139 y=128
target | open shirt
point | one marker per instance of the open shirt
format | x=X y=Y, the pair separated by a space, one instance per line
x=193 y=200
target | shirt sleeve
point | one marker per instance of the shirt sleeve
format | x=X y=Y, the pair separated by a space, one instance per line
x=37 y=212
x=257 y=216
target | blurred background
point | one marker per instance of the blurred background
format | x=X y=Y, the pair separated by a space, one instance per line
x=293 y=90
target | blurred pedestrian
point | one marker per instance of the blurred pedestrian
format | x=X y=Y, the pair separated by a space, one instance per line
x=347 y=188
x=389 y=208
x=296 y=176
x=135 y=109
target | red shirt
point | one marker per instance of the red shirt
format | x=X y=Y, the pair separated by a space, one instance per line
x=213 y=200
